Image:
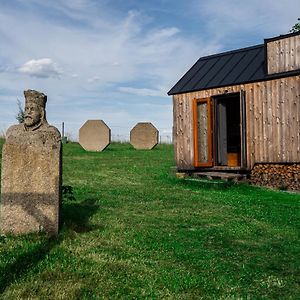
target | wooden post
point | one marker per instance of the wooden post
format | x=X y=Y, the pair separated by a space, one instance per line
x=63 y=130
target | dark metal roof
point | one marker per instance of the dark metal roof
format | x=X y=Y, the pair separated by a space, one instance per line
x=230 y=68
x=224 y=69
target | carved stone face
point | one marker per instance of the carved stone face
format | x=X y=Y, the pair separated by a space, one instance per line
x=33 y=114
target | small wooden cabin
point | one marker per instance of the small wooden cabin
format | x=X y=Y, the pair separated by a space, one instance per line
x=241 y=108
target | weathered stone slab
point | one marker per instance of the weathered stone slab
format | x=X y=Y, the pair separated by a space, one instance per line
x=31 y=173
x=94 y=135
x=144 y=136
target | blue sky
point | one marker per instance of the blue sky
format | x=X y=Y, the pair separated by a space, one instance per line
x=116 y=60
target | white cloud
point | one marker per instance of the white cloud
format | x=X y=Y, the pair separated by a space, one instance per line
x=104 y=50
x=41 y=68
x=141 y=92
x=93 y=79
x=164 y=33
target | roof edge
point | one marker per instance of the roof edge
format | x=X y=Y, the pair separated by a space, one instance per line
x=282 y=36
x=231 y=52
x=266 y=78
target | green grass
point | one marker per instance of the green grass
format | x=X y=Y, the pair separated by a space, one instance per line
x=136 y=232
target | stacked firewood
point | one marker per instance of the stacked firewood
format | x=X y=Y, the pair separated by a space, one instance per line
x=281 y=176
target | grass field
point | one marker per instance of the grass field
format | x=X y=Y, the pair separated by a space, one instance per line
x=135 y=232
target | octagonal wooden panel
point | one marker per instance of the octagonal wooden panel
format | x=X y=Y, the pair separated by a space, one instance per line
x=144 y=136
x=94 y=135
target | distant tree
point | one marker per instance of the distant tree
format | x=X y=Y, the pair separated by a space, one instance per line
x=20 y=115
x=296 y=27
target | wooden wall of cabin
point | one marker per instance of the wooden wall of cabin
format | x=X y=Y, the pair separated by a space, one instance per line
x=183 y=131
x=272 y=121
x=283 y=54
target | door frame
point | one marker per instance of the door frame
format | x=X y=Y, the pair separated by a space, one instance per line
x=243 y=129
x=211 y=128
x=210 y=122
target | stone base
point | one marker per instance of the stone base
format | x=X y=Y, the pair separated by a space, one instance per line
x=26 y=213
x=31 y=182
x=281 y=176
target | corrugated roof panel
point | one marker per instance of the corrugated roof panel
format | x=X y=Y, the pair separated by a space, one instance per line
x=256 y=61
x=232 y=67
x=211 y=74
x=223 y=69
x=222 y=72
x=246 y=66
x=194 y=81
x=258 y=73
x=188 y=76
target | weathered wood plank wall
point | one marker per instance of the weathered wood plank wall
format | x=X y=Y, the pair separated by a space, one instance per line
x=182 y=131
x=283 y=55
x=272 y=121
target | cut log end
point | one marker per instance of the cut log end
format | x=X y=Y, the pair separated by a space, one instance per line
x=281 y=176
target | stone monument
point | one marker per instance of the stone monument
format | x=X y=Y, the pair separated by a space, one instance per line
x=31 y=172
x=144 y=136
x=94 y=135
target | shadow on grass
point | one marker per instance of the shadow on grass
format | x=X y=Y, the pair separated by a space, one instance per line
x=75 y=216
x=24 y=262
x=203 y=183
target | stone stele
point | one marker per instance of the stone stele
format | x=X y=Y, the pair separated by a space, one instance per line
x=94 y=135
x=144 y=136
x=31 y=172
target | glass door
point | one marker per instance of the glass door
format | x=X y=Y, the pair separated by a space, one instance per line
x=202 y=132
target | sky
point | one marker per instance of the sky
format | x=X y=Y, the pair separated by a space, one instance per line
x=115 y=60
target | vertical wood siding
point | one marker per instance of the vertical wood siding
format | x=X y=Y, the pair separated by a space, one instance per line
x=283 y=55
x=183 y=132
x=272 y=121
